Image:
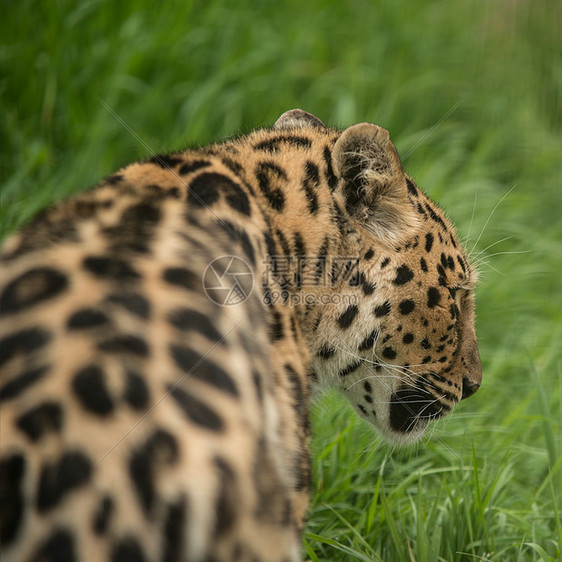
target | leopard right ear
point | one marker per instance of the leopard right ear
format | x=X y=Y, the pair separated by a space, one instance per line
x=296 y=118
x=373 y=183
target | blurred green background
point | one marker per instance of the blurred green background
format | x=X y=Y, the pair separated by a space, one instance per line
x=471 y=93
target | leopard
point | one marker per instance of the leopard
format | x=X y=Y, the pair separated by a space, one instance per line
x=164 y=332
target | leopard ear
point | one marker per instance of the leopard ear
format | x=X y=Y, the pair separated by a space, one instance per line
x=374 y=185
x=296 y=118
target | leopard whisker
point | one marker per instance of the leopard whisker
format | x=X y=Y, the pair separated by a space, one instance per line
x=476 y=256
x=470 y=253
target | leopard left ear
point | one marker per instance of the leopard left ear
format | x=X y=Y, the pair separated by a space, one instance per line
x=296 y=118
x=374 y=184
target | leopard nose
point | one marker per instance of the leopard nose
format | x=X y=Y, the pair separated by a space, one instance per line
x=469 y=387
x=472 y=378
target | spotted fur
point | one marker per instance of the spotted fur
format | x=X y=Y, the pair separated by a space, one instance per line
x=143 y=421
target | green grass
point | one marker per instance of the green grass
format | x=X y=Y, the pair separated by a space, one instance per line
x=472 y=95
